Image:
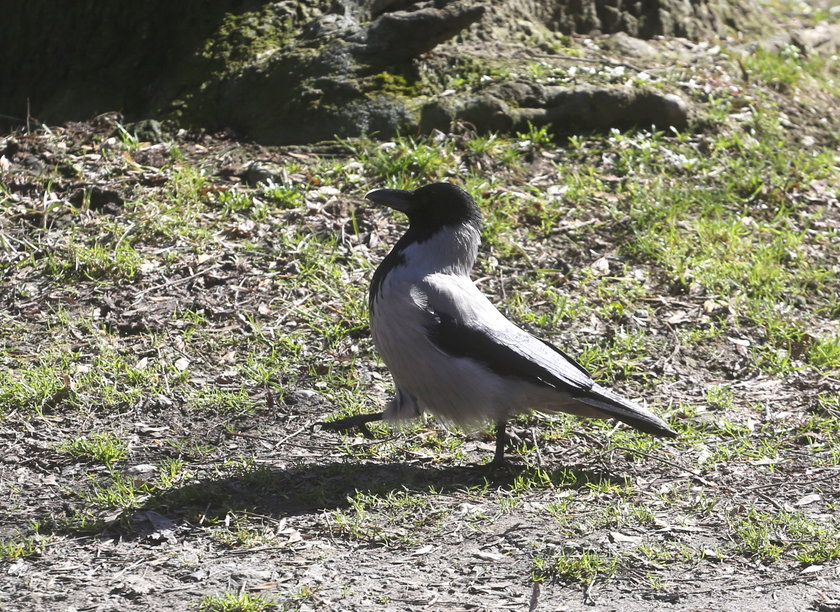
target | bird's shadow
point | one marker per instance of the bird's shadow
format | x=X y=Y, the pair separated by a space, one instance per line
x=277 y=493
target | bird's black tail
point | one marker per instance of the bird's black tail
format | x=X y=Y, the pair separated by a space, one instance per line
x=615 y=406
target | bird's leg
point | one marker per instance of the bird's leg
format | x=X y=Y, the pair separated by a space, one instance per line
x=501 y=439
x=359 y=420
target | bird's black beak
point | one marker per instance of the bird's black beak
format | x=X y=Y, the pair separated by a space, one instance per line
x=398 y=199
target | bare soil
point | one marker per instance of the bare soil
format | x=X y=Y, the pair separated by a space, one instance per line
x=469 y=543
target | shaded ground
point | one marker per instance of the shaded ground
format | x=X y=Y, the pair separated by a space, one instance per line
x=172 y=334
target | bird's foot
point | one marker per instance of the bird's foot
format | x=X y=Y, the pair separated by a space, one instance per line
x=505 y=439
x=358 y=421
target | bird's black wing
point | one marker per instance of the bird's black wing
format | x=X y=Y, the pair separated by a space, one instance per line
x=507 y=351
x=566 y=356
x=459 y=321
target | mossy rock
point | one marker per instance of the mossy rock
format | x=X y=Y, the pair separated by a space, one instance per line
x=296 y=72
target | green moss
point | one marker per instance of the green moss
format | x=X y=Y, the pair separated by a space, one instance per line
x=396 y=84
x=242 y=38
x=242 y=41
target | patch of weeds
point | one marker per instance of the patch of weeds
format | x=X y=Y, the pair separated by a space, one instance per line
x=577 y=566
x=322 y=267
x=768 y=536
x=468 y=73
x=483 y=144
x=175 y=152
x=617 y=358
x=561 y=508
x=773 y=360
x=21 y=548
x=393 y=519
x=541 y=305
x=617 y=296
x=58 y=378
x=532 y=478
x=171 y=470
x=118 y=492
x=556 y=428
x=187 y=186
x=234 y=201
x=283 y=196
x=397 y=84
x=696 y=335
x=738 y=443
x=271 y=368
x=233 y=402
x=235 y=602
x=500 y=215
x=536 y=137
x=237 y=532
x=511 y=156
x=405 y=162
x=78 y=522
x=669 y=553
x=633 y=443
x=825 y=353
x=611 y=487
x=439 y=442
x=719 y=396
x=191 y=449
x=695 y=500
x=829 y=404
x=129 y=141
x=104 y=447
x=36 y=387
x=744 y=236
x=781 y=70
x=95 y=262
x=581 y=183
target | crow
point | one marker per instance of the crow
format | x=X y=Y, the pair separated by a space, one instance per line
x=450 y=351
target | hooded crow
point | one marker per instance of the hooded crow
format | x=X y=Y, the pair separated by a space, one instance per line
x=450 y=351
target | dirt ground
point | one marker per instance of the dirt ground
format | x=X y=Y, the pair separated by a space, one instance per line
x=239 y=491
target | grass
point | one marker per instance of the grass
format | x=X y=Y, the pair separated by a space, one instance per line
x=32 y=390
x=95 y=262
x=21 y=548
x=769 y=536
x=235 y=602
x=574 y=566
x=784 y=70
x=405 y=163
x=99 y=447
x=392 y=519
x=205 y=328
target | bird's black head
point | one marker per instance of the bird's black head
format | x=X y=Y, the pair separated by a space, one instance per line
x=433 y=206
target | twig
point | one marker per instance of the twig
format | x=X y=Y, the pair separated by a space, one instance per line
x=119 y=242
x=535 y=597
x=536 y=446
x=750 y=586
x=249 y=436
x=285 y=440
x=178 y=281
x=775 y=483
x=587 y=594
x=292 y=435
x=694 y=474
x=770 y=500
x=677 y=345
x=120 y=573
